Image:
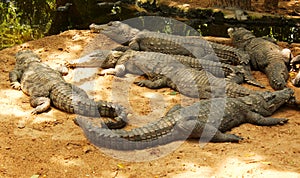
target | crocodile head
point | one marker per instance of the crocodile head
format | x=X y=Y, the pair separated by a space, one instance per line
x=23 y=58
x=265 y=103
x=111 y=59
x=239 y=35
x=118 y=31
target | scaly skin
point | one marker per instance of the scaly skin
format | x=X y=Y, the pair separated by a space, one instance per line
x=294 y=62
x=45 y=85
x=193 y=46
x=206 y=119
x=166 y=71
x=109 y=59
x=170 y=44
x=265 y=56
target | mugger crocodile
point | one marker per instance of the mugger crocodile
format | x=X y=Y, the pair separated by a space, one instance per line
x=45 y=85
x=194 y=121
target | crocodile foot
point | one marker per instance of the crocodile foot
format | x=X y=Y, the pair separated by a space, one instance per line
x=16 y=85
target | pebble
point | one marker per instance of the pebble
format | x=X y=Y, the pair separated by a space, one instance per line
x=21 y=125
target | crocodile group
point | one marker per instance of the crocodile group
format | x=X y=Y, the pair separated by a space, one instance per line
x=208 y=119
x=110 y=59
x=193 y=46
x=163 y=70
x=265 y=56
x=45 y=85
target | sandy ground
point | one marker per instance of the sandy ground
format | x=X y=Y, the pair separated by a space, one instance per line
x=51 y=145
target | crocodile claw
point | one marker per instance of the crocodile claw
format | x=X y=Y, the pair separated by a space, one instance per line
x=16 y=85
x=70 y=64
x=283 y=121
x=34 y=112
x=105 y=72
x=140 y=83
x=234 y=138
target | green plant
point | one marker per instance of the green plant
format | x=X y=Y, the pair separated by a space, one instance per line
x=17 y=26
x=11 y=30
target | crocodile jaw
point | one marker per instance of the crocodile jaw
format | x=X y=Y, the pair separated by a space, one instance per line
x=275 y=99
x=118 y=31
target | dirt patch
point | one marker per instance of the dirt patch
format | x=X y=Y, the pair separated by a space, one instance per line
x=51 y=145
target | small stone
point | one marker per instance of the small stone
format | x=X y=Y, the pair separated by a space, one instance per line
x=185 y=5
x=87 y=149
x=21 y=125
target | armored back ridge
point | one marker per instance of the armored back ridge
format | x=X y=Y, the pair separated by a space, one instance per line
x=237 y=74
x=174 y=71
x=193 y=46
x=165 y=70
x=265 y=56
x=118 y=31
x=45 y=85
x=193 y=122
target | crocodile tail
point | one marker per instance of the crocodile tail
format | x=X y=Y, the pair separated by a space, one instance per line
x=138 y=138
x=249 y=77
x=115 y=111
x=73 y=99
x=160 y=132
x=234 y=90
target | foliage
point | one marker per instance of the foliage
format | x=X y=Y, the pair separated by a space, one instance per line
x=20 y=23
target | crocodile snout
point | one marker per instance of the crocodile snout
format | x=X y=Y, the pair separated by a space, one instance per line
x=278 y=85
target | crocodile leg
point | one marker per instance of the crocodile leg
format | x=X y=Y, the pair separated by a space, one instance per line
x=40 y=104
x=257 y=119
x=14 y=77
x=205 y=131
x=249 y=77
x=159 y=83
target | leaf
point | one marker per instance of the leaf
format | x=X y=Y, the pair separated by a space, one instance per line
x=266 y=162
x=120 y=166
x=173 y=93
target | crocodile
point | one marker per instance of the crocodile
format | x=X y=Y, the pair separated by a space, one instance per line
x=164 y=70
x=208 y=119
x=45 y=85
x=109 y=59
x=294 y=64
x=193 y=46
x=264 y=56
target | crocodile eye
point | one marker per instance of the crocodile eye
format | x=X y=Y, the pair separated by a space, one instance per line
x=268 y=96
